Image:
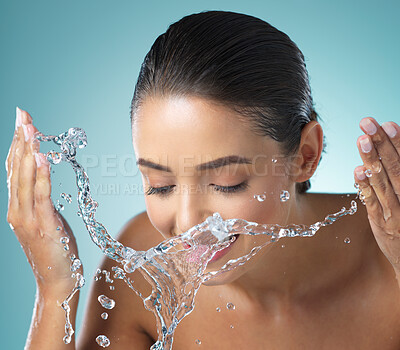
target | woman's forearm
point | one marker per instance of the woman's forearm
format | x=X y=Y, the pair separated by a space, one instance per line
x=47 y=328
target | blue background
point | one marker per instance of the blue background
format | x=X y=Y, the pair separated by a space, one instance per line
x=75 y=63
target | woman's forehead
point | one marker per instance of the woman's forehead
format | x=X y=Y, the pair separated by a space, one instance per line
x=196 y=125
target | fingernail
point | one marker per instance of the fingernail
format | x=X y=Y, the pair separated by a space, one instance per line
x=38 y=160
x=390 y=130
x=366 y=145
x=18 y=120
x=360 y=175
x=368 y=126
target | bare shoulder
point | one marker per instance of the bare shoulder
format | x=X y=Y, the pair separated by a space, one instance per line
x=129 y=324
x=139 y=233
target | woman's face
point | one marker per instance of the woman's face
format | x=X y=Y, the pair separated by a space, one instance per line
x=197 y=158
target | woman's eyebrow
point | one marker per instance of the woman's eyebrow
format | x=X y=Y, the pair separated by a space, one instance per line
x=223 y=161
x=213 y=164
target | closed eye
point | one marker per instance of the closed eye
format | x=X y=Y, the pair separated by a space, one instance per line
x=166 y=190
x=161 y=191
x=231 y=189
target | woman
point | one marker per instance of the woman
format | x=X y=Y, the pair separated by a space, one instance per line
x=222 y=113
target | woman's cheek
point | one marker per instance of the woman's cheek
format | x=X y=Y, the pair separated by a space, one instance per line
x=159 y=214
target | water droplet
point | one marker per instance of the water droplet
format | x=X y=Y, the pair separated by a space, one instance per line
x=66 y=247
x=284 y=196
x=376 y=167
x=198 y=341
x=274 y=160
x=218 y=309
x=104 y=315
x=368 y=172
x=67 y=197
x=48 y=267
x=347 y=195
x=260 y=197
x=103 y=341
x=232 y=326
x=283 y=246
x=107 y=276
x=112 y=287
x=79 y=213
x=72 y=257
x=80 y=280
x=58 y=228
x=76 y=264
x=106 y=302
x=96 y=278
x=64 y=240
x=59 y=206
x=230 y=306
x=54 y=157
x=66 y=339
x=347 y=240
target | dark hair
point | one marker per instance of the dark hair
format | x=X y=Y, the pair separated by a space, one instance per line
x=239 y=61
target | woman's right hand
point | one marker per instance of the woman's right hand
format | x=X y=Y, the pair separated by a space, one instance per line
x=31 y=213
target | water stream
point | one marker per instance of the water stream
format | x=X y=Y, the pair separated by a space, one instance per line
x=174 y=273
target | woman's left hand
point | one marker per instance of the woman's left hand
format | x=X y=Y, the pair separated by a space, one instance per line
x=379 y=181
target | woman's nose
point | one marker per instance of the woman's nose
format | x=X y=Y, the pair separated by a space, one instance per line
x=190 y=212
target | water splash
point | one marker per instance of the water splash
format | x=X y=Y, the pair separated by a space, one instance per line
x=69 y=331
x=67 y=197
x=230 y=306
x=75 y=265
x=171 y=272
x=260 y=197
x=106 y=302
x=59 y=207
x=284 y=196
x=103 y=341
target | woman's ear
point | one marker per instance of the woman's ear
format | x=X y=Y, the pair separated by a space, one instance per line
x=306 y=160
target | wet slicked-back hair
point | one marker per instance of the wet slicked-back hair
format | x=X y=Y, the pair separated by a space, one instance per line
x=236 y=60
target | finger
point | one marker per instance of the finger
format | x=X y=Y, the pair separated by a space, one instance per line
x=14 y=173
x=43 y=205
x=392 y=131
x=366 y=192
x=377 y=176
x=26 y=117
x=387 y=146
x=27 y=174
x=10 y=154
x=11 y=151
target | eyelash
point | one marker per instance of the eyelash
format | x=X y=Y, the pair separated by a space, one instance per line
x=166 y=190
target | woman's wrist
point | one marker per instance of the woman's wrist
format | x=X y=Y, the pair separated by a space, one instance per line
x=55 y=292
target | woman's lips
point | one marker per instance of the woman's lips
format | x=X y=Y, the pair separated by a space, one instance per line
x=185 y=245
x=218 y=255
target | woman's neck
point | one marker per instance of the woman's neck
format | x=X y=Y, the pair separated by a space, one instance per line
x=302 y=267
